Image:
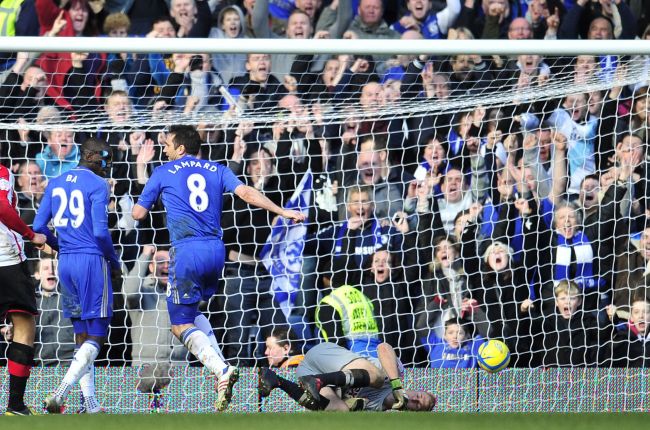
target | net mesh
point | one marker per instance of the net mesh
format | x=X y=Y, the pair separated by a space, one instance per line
x=462 y=390
x=466 y=189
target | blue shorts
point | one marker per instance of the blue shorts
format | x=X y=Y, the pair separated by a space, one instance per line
x=194 y=270
x=97 y=327
x=85 y=286
x=182 y=314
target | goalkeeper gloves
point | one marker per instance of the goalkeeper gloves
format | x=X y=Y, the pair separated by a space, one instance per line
x=401 y=400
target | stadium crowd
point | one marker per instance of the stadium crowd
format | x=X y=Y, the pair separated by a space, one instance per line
x=527 y=222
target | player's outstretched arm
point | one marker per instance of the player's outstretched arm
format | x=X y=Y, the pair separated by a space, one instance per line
x=43 y=217
x=388 y=360
x=253 y=197
x=10 y=218
x=139 y=213
x=390 y=364
x=147 y=198
x=8 y=214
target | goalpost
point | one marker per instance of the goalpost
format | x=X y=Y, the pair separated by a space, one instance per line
x=401 y=117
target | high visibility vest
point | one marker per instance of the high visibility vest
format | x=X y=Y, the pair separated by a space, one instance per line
x=8 y=15
x=292 y=361
x=355 y=310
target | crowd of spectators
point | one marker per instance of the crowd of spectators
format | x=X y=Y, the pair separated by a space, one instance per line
x=527 y=222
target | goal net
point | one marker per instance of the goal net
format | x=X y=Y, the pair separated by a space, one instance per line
x=451 y=199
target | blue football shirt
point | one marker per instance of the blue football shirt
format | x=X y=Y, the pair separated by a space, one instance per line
x=77 y=204
x=192 y=192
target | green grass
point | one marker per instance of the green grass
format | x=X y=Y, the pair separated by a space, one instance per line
x=329 y=421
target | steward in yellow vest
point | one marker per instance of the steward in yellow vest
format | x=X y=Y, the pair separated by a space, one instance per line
x=9 y=10
x=346 y=317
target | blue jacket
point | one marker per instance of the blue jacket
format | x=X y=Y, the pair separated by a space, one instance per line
x=52 y=166
x=349 y=251
x=366 y=240
x=442 y=356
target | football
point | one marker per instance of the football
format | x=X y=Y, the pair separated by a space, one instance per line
x=493 y=356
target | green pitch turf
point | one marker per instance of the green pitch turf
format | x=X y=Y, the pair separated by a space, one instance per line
x=328 y=421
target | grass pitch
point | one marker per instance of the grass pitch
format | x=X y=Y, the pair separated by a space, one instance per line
x=328 y=421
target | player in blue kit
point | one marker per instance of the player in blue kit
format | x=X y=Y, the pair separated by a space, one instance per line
x=76 y=202
x=192 y=193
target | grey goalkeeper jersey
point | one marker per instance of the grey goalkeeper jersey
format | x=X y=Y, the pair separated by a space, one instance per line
x=330 y=357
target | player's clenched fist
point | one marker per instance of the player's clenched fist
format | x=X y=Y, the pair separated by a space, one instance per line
x=39 y=240
x=294 y=215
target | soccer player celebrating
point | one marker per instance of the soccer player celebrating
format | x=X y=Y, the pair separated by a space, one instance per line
x=17 y=296
x=192 y=192
x=76 y=202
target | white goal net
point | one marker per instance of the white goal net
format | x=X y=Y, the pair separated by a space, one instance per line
x=465 y=197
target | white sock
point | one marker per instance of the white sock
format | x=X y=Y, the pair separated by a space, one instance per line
x=83 y=357
x=198 y=344
x=202 y=323
x=87 y=383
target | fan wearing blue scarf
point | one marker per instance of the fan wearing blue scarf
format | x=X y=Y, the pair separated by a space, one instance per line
x=574 y=254
x=351 y=243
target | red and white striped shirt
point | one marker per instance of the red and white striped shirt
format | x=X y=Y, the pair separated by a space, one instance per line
x=12 y=228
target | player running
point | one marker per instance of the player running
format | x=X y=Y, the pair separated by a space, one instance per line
x=77 y=202
x=192 y=193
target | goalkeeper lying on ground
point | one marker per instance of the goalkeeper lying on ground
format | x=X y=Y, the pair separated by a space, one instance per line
x=365 y=383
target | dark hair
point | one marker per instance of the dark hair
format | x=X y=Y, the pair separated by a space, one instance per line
x=92 y=26
x=257 y=148
x=599 y=15
x=641 y=93
x=93 y=144
x=641 y=293
x=230 y=9
x=461 y=214
x=187 y=136
x=593 y=176
x=157 y=248
x=468 y=326
x=163 y=18
x=443 y=178
x=285 y=337
x=441 y=238
x=431 y=137
x=381 y=249
x=452 y=321
x=368 y=264
x=379 y=142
